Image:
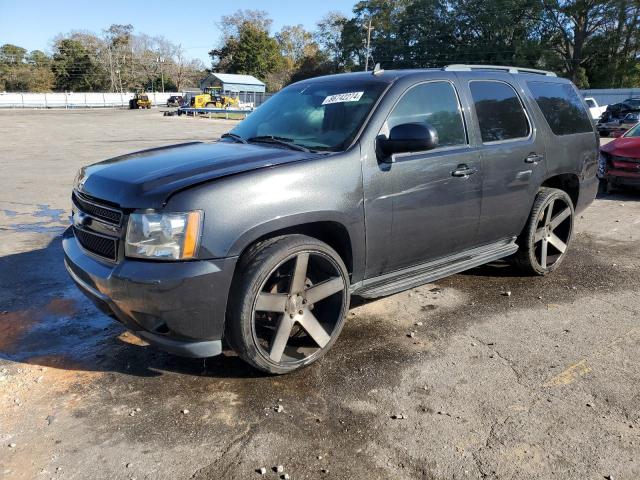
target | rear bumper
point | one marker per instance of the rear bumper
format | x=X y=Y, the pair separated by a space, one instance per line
x=177 y=306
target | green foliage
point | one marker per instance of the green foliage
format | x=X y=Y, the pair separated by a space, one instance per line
x=22 y=71
x=75 y=69
x=253 y=52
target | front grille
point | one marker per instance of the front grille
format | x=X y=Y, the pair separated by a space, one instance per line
x=101 y=212
x=97 y=244
x=625 y=159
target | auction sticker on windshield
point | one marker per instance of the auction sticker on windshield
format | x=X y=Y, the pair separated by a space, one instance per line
x=343 y=97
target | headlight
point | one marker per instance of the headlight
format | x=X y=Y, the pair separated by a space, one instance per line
x=163 y=236
x=78 y=178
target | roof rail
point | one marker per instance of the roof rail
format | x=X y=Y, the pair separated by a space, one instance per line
x=503 y=68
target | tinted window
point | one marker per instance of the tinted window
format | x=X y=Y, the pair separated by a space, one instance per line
x=590 y=103
x=562 y=107
x=435 y=103
x=499 y=110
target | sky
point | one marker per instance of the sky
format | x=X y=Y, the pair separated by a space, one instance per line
x=32 y=24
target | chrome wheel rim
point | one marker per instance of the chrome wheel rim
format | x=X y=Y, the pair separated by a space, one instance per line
x=299 y=308
x=553 y=232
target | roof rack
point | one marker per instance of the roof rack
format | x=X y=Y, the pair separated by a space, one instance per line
x=502 y=68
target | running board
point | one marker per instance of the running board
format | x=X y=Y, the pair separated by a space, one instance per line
x=404 y=279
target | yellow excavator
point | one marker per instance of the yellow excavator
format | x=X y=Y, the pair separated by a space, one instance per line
x=213 y=98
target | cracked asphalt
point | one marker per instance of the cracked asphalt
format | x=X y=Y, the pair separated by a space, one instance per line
x=544 y=383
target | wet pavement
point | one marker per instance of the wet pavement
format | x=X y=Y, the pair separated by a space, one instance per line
x=541 y=383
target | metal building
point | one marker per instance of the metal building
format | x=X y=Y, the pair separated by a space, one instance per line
x=231 y=82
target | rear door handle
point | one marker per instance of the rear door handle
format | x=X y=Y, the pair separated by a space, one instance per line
x=534 y=158
x=463 y=170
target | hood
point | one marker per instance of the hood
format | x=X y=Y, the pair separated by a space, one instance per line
x=623 y=147
x=147 y=178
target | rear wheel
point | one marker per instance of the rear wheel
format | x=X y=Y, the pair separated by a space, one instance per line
x=291 y=295
x=544 y=241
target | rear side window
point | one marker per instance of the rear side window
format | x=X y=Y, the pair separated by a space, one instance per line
x=435 y=103
x=561 y=107
x=499 y=110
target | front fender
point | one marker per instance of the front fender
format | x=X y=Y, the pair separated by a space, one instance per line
x=242 y=208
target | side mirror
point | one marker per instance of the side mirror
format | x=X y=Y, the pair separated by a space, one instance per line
x=409 y=137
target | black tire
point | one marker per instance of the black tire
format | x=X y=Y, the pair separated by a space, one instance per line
x=543 y=246
x=253 y=332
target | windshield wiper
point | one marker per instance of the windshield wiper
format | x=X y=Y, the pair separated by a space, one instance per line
x=286 y=142
x=233 y=136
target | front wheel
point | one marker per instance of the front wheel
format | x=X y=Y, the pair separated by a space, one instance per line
x=289 y=303
x=545 y=239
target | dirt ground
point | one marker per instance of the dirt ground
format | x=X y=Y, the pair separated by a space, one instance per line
x=544 y=383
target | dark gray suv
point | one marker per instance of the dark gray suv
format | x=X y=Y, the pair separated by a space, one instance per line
x=357 y=184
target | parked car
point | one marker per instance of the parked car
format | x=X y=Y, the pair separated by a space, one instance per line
x=619 y=110
x=174 y=101
x=188 y=100
x=360 y=184
x=595 y=110
x=620 y=160
x=617 y=127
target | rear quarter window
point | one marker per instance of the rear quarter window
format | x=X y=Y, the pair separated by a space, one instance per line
x=561 y=107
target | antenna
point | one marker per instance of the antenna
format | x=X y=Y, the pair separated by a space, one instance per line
x=377 y=70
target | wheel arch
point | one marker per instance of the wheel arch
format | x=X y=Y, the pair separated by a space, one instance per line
x=567 y=182
x=333 y=232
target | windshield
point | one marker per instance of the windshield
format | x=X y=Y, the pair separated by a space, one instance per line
x=318 y=116
x=633 y=132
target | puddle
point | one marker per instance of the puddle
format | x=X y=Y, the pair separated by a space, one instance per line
x=63 y=326
x=38 y=227
x=50 y=221
x=54 y=214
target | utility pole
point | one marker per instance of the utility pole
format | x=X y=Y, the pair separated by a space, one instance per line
x=119 y=79
x=113 y=88
x=160 y=61
x=366 y=61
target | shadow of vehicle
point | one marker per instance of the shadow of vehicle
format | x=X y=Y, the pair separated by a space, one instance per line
x=45 y=320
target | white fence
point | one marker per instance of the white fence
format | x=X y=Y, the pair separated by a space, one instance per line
x=77 y=100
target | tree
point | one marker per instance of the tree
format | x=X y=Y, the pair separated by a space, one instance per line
x=75 y=69
x=426 y=35
x=12 y=54
x=570 y=25
x=22 y=71
x=329 y=37
x=252 y=52
x=296 y=43
x=231 y=25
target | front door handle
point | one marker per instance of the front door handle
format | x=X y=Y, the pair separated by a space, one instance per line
x=463 y=170
x=534 y=158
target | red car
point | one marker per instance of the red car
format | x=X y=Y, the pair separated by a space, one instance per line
x=620 y=160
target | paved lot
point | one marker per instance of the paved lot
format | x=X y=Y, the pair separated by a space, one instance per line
x=544 y=383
